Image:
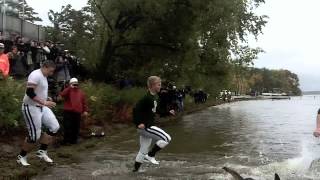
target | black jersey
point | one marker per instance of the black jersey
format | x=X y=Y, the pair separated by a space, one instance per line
x=145 y=109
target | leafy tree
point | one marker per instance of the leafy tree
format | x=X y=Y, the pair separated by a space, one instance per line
x=74 y=28
x=243 y=57
x=21 y=9
x=189 y=42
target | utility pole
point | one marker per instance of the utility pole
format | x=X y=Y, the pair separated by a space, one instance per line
x=22 y=19
x=23 y=5
x=4 y=19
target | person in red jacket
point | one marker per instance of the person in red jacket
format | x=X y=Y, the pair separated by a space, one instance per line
x=4 y=63
x=75 y=105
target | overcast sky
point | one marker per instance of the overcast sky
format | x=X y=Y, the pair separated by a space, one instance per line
x=290 y=38
x=43 y=6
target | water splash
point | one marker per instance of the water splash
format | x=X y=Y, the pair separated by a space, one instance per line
x=296 y=168
x=303 y=162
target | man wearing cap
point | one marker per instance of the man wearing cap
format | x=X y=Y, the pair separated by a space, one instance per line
x=4 y=62
x=75 y=105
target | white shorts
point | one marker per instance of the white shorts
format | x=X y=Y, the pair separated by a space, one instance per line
x=35 y=117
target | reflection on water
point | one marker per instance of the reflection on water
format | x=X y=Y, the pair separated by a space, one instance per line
x=256 y=138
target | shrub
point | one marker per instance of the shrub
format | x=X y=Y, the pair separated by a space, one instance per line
x=105 y=101
x=11 y=95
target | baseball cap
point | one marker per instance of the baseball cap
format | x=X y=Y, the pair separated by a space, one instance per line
x=73 y=81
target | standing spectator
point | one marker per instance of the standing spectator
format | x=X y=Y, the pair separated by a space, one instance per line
x=173 y=98
x=34 y=54
x=1 y=37
x=18 y=65
x=29 y=61
x=4 y=62
x=229 y=96
x=19 y=43
x=164 y=102
x=53 y=51
x=180 y=98
x=75 y=105
x=41 y=55
x=62 y=74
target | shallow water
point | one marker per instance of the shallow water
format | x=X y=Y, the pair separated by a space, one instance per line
x=255 y=138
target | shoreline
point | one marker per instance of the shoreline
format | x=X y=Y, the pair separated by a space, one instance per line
x=10 y=146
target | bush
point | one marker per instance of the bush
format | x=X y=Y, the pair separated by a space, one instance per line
x=105 y=101
x=11 y=95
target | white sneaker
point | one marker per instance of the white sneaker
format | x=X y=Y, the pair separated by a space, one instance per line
x=43 y=155
x=22 y=160
x=151 y=159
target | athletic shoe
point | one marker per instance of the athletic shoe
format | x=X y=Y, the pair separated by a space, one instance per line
x=151 y=159
x=22 y=160
x=42 y=154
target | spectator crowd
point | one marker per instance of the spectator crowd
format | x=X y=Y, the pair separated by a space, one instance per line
x=171 y=97
x=18 y=58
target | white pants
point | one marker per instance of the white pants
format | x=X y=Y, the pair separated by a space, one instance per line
x=35 y=117
x=147 y=135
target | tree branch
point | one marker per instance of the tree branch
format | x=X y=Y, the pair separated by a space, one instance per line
x=103 y=16
x=147 y=44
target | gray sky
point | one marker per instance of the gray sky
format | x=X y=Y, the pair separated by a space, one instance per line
x=290 y=38
x=43 y=6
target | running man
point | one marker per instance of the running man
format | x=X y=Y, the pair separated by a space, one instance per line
x=316 y=132
x=143 y=117
x=36 y=112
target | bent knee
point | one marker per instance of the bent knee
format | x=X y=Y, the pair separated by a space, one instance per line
x=162 y=143
x=54 y=129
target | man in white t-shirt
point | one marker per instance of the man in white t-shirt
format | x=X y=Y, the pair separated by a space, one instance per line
x=36 y=112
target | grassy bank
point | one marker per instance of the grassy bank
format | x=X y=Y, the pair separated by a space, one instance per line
x=106 y=103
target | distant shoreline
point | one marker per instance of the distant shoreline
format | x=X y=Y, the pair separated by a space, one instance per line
x=310 y=92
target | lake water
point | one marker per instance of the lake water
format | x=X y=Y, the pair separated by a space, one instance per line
x=255 y=138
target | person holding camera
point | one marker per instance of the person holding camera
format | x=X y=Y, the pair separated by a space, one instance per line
x=75 y=105
x=62 y=73
x=18 y=65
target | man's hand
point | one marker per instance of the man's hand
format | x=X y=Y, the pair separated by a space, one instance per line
x=141 y=126
x=172 y=112
x=85 y=114
x=59 y=98
x=49 y=104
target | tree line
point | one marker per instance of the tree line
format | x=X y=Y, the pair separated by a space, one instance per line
x=257 y=81
x=203 y=44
